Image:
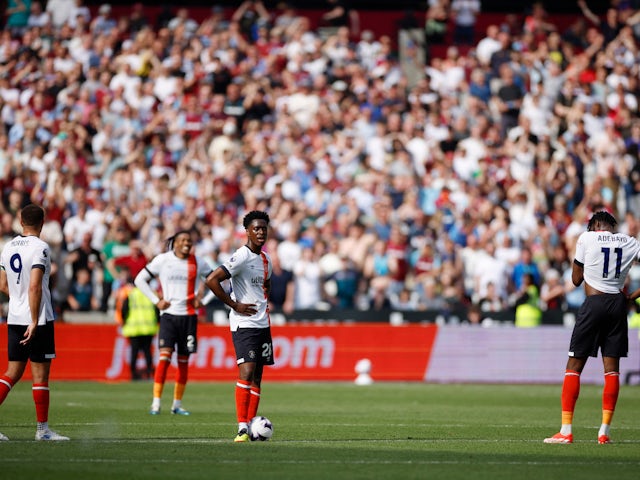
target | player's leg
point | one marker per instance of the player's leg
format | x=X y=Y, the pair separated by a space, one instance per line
x=42 y=351
x=264 y=344
x=167 y=338
x=134 y=345
x=254 y=399
x=568 y=399
x=18 y=356
x=243 y=399
x=146 y=342
x=187 y=344
x=609 y=396
x=159 y=379
x=8 y=380
x=182 y=375
x=614 y=346
x=11 y=376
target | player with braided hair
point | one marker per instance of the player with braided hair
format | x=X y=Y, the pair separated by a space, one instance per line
x=601 y=217
x=602 y=260
x=178 y=271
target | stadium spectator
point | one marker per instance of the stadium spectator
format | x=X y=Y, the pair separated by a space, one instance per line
x=307 y=277
x=465 y=14
x=250 y=15
x=488 y=45
x=17 y=14
x=437 y=21
x=38 y=17
x=167 y=151
x=134 y=261
x=610 y=26
x=104 y=22
x=282 y=294
x=84 y=256
x=552 y=294
x=81 y=296
x=342 y=14
x=116 y=245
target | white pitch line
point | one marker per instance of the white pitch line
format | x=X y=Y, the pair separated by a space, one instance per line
x=319 y=462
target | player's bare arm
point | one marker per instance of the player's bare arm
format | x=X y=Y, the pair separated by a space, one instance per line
x=214 y=283
x=35 y=299
x=634 y=295
x=142 y=282
x=4 y=286
x=577 y=274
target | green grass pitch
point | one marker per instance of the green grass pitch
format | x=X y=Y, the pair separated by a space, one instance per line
x=321 y=431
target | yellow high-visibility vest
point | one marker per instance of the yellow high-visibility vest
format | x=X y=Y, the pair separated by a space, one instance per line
x=142 y=317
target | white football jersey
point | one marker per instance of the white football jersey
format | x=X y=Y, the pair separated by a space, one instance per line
x=19 y=257
x=178 y=279
x=249 y=271
x=607 y=258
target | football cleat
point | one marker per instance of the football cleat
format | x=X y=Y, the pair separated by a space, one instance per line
x=50 y=436
x=154 y=410
x=180 y=411
x=560 y=438
x=3 y=438
x=243 y=436
x=604 y=439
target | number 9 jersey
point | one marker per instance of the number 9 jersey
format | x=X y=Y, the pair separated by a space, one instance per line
x=606 y=258
x=19 y=257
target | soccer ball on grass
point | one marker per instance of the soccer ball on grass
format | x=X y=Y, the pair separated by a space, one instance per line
x=260 y=429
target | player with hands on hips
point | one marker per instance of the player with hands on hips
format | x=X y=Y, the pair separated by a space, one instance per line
x=249 y=270
x=602 y=261
x=178 y=272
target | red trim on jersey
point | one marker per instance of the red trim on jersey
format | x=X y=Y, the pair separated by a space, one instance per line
x=265 y=264
x=192 y=273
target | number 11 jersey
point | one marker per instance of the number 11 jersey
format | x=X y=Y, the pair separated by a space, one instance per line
x=606 y=258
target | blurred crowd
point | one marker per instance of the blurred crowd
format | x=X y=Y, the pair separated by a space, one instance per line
x=461 y=186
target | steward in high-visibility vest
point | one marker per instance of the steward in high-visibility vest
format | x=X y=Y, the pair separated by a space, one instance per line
x=139 y=314
x=528 y=312
x=139 y=319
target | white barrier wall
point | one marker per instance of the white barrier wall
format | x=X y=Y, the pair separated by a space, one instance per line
x=471 y=354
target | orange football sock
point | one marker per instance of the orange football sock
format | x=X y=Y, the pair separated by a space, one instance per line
x=181 y=377
x=254 y=401
x=610 y=395
x=243 y=394
x=570 y=392
x=161 y=374
x=40 y=393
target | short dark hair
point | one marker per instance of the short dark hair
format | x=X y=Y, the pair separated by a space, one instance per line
x=601 y=217
x=32 y=215
x=254 y=215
